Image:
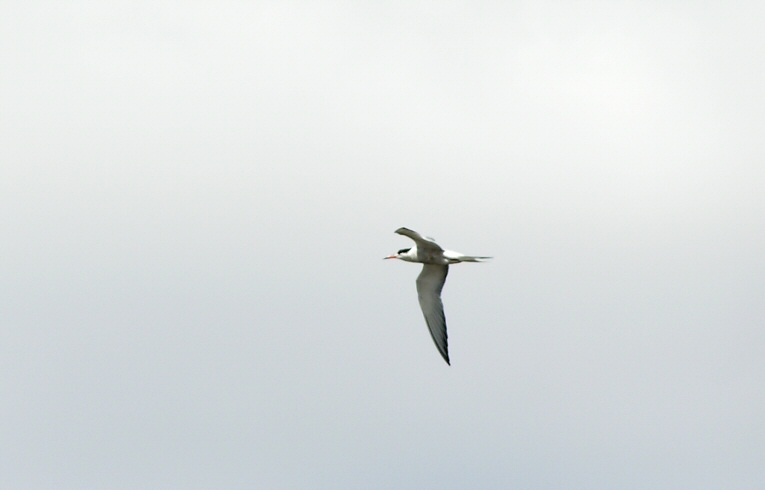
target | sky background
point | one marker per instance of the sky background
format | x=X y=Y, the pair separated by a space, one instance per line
x=195 y=198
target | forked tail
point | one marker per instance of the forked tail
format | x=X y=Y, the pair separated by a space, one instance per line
x=456 y=257
x=469 y=258
x=476 y=258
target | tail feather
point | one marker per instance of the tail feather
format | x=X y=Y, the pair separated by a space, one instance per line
x=456 y=257
x=468 y=258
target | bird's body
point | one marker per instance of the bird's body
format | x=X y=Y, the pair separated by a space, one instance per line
x=431 y=281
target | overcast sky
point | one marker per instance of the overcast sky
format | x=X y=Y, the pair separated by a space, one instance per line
x=195 y=198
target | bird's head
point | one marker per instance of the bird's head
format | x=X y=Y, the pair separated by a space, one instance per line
x=404 y=252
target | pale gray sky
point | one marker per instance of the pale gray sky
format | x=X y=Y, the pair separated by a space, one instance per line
x=195 y=198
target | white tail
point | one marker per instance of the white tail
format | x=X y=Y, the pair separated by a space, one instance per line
x=467 y=258
x=456 y=257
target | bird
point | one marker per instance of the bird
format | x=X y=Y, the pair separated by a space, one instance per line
x=431 y=281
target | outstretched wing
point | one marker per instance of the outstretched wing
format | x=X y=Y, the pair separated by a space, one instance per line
x=430 y=282
x=427 y=245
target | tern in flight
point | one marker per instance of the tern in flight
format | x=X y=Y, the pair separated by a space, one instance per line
x=431 y=281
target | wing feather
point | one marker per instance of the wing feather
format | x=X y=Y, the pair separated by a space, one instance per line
x=427 y=245
x=430 y=282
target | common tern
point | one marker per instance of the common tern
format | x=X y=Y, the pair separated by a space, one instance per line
x=431 y=281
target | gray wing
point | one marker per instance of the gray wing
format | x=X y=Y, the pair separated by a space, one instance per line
x=430 y=282
x=423 y=243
